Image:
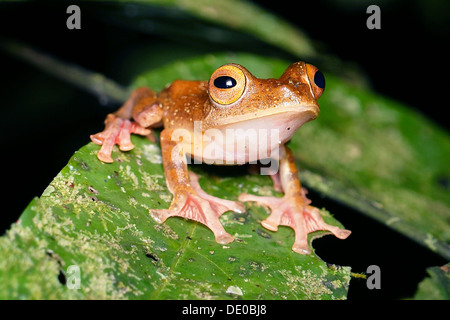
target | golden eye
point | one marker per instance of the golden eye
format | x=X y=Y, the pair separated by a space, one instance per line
x=316 y=80
x=227 y=84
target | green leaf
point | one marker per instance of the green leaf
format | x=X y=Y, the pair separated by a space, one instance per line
x=436 y=286
x=95 y=216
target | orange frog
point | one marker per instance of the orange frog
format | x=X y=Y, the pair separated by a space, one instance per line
x=233 y=118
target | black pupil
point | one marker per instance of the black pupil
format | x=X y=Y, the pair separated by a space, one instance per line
x=224 y=82
x=319 y=79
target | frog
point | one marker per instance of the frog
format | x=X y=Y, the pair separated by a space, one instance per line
x=206 y=121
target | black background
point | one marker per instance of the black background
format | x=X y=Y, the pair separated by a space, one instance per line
x=405 y=60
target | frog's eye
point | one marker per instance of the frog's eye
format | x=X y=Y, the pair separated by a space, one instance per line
x=316 y=80
x=227 y=84
x=224 y=82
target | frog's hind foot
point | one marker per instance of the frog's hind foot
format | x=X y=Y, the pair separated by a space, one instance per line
x=294 y=213
x=117 y=131
x=201 y=207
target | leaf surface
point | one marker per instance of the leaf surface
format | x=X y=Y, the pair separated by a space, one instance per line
x=95 y=216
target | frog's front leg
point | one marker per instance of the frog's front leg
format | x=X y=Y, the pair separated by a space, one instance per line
x=143 y=108
x=293 y=208
x=189 y=200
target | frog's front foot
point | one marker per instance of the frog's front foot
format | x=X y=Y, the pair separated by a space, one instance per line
x=117 y=131
x=199 y=206
x=292 y=211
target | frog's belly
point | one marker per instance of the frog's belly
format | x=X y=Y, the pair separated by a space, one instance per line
x=237 y=151
x=239 y=144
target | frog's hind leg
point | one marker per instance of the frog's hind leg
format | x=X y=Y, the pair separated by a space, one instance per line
x=204 y=210
x=217 y=204
x=292 y=212
x=189 y=200
x=144 y=109
x=293 y=208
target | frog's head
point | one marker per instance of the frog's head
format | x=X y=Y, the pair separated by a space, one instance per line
x=240 y=100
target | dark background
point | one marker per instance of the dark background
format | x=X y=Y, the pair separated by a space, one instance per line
x=44 y=120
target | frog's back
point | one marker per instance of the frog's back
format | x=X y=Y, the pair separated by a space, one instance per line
x=183 y=103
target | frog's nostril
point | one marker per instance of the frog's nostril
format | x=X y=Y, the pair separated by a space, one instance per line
x=319 y=79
